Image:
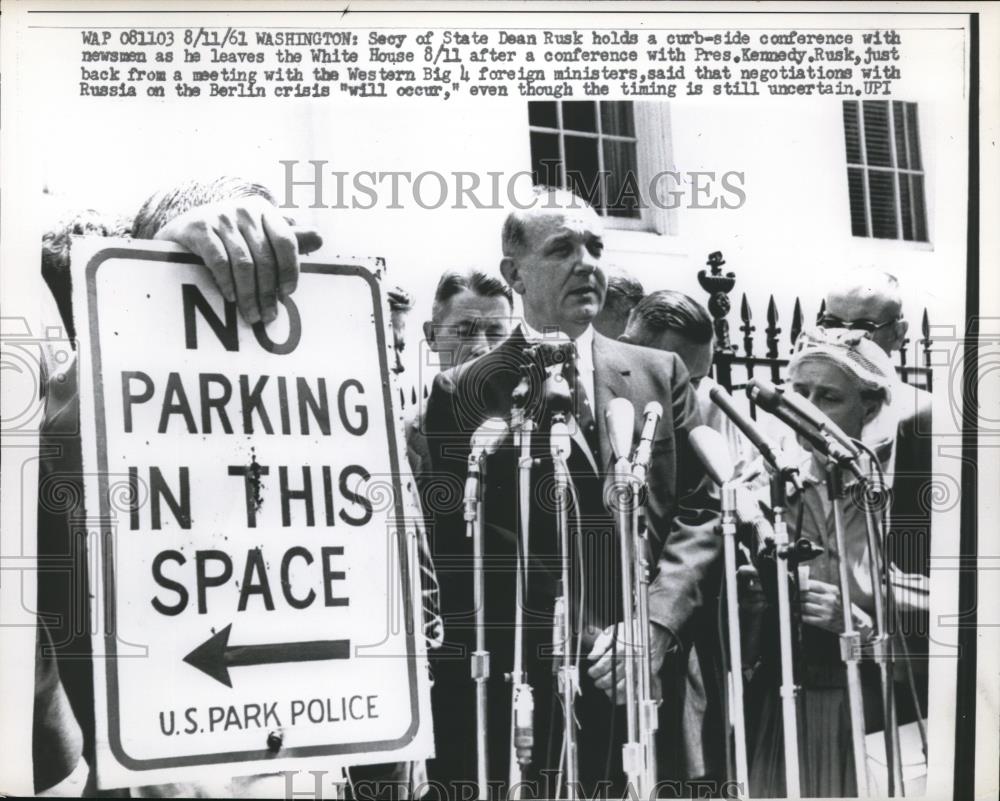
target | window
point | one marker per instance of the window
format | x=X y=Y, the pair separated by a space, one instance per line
x=605 y=151
x=885 y=175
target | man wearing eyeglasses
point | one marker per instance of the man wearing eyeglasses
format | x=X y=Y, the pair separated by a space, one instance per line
x=868 y=300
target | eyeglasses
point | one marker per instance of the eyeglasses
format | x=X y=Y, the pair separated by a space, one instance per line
x=867 y=326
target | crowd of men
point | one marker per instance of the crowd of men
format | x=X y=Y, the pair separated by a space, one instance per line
x=628 y=343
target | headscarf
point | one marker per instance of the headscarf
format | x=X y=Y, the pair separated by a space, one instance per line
x=855 y=354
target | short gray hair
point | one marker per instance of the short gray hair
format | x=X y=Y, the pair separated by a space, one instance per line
x=512 y=236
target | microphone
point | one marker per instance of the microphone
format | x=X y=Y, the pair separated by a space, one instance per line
x=710 y=448
x=556 y=396
x=769 y=397
x=817 y=442
x=524 y=731
x=552 y=354
x=620 y=417
x=768 y=447
x=488 y=437
x=559 y=439
x=557 y=399
x=643 y=452
x=485 y=441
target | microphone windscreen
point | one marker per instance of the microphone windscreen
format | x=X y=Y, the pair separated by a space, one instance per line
x=490 y=435
x=559 y=440
x=763 y=393
x=620 y=416
x=653 y=408
x=710 y=447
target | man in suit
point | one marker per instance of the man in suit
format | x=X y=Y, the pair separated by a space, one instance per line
x=551 y=259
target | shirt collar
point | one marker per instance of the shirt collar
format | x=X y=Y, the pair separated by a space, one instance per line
x=584 y=343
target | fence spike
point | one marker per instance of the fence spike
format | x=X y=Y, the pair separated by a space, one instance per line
x=822 y=311
x=772 y=330
x=925 y=344
x=796 y=323
x=747 y=327
x=771 y=338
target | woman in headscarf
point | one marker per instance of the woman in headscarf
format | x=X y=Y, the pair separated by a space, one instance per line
x=850 y=379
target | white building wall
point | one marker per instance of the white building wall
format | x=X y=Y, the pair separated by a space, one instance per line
x=792 y=233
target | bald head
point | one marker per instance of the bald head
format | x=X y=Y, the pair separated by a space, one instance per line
x=870 y=295
x=541 y=207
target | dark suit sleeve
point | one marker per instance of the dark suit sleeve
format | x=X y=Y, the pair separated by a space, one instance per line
x=683 y=511
x=452 y=697
x=442 y=495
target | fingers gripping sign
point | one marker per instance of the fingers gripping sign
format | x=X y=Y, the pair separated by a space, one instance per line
x=249 y=247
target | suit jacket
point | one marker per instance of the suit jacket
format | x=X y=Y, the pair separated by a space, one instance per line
x=681 y=513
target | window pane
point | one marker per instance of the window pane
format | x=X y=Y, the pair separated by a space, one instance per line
x=876 y=113
x=545 y=159
x=899 y=128
x=856 y=191
x=580 y=115
x=543 y=113
x=852 y=137
x=582 y=169
x=622 y=196
x=616 y=118
x=905 y=206
x=914 y=135
x=919 y=208
x=882 y=198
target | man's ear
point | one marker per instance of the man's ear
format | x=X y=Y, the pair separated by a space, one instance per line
x=900 y=328
x=511 y=274
x=429 y=335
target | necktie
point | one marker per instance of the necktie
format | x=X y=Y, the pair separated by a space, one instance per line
x=583 y=410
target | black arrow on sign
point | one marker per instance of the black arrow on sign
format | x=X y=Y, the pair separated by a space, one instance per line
x=215 y=656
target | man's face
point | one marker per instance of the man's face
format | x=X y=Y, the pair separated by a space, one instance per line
x=864 y=305
x=831 y=391
x=469 y=325
x=697 y=357
x=557 y=271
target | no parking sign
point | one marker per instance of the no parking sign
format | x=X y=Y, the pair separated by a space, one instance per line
x=253 y=579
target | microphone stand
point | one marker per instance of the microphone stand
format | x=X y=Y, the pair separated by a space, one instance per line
x=648 y=706
x=850 y=649
x=736 y=714
x=789 y=689
x=562 y=632
x=522 y=699
x=634 y=756
x=882 y=653
x=480 y=662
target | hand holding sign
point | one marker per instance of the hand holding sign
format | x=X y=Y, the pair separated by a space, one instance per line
x=258 y=562
x=251 y=250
